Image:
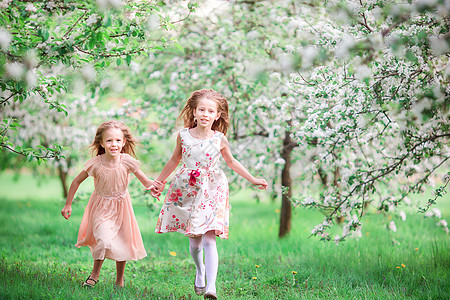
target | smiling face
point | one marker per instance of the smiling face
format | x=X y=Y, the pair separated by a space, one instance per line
x=113 y=141
x=206 y=112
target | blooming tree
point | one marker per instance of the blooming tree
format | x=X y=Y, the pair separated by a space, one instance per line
x=377 y=111
x=358 y=100
x=50 y=48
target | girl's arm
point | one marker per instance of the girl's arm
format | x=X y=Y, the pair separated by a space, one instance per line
x=236 y=166
x=67 y=210
x=146 y=182
x=168 y=168
x=155 y=186
x=172 y=163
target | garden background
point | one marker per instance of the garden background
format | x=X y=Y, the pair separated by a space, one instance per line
x=343 y=106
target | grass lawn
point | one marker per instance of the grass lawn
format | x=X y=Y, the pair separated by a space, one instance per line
x=38 y=259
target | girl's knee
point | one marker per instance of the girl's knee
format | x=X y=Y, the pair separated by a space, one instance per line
x=195 y=244
x=209 y=239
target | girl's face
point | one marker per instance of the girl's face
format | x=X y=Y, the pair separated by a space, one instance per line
x=112 y=141
x=206 y=112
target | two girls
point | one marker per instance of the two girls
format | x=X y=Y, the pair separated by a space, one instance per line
x=196 y=205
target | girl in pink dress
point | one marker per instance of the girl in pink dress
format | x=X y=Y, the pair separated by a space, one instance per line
x=108 y=226
x=197 y=201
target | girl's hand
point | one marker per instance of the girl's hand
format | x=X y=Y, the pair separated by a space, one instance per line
x=154 y=192
x=261 y=182
x=159 y=185
x=66 y=211
x=156 y=188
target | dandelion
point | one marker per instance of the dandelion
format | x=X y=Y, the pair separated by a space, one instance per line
x=397 y=267
x=254 y=278
x=293 y=272
x=293 y=277
x=277 y=211
x=417 y=249
x=257 y=266
x=173 y=253
x=403 y=265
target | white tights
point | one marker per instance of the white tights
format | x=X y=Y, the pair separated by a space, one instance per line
x=207 y=242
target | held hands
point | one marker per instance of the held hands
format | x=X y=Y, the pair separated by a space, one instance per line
x=156 y=188
x=261 y=183
x=66 y=211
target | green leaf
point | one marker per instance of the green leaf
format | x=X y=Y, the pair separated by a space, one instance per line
x=128 y=59
x=92 y=42
x=179 y=47
x=119 y=61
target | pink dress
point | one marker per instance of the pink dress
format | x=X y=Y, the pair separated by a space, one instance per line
x=197 y=200
x=109 y=227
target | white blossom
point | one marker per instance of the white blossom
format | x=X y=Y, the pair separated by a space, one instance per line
x=5 y=3
x=363 y=72
x=92 y=20
x=429 y=214
x=392 y=226
x=31 y=8
x=51 y=5
x=153 y=22
x=337 y=240
x=135 y=67
x=439 y=45
x=437 y=213
x=402 y=215
x=308 y=56
x=343 y=48
x=5 y=39
x=15 y=70
x=31 y=79
x=89 y=73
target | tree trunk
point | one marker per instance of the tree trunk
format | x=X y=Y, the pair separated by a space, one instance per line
x=63 y=178
x=286 y=182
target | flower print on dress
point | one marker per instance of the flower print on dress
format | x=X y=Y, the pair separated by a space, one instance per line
x=175 y=197
x=192 y=177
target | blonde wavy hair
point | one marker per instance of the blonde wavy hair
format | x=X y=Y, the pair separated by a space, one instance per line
x=187 y=114
x=130 y=141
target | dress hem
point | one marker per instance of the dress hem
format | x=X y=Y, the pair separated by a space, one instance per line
x=220 y=234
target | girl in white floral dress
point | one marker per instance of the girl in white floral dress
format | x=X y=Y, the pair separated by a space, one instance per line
x=197 y=201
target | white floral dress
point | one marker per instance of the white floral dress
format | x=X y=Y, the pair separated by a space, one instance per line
x=197 y=200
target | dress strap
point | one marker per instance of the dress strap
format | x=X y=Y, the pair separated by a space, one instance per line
x=184 y=133
x=218 y=136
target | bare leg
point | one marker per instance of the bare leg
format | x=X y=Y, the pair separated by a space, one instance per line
x=211 y=260
x=120 y=266
x=196 y=250
x=95 y=274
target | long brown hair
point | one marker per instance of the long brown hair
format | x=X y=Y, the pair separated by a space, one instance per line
x=130 y=141
x=187 y=114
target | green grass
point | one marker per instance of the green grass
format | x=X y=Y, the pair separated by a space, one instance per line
x=38 y=259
